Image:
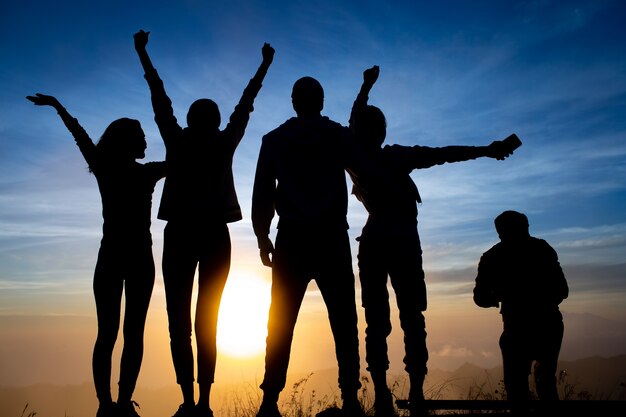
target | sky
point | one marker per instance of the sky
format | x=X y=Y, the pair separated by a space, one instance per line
x=451 y=73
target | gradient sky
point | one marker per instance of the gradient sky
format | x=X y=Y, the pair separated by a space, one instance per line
x=452 y=73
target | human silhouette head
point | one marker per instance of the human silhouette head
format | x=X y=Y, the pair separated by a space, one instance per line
x=204 y=116
x=511 y=226
x=307 y=97
x=370 y=127
x=123 y=139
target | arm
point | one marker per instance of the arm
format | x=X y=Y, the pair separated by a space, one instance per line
x=556 y=285
x=239 y=119
x=263 y=203
x=484 y=294
x=161 y=103
x=370 y=76
x=158 y=169
x=425 y=157
x=84 y=142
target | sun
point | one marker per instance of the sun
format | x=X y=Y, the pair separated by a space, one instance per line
x=242 y=323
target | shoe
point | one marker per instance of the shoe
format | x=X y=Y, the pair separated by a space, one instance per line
x=383 y=404
x=352 y=408
x=127 y=409
x=107 y=410
x=202 y=411
x=268 y=409
x=331 y=411
x=417 y=409
x=185 y=410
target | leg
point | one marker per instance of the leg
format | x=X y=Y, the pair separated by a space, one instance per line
x=407 y=278
x=515 y=362
x=179 y=266
x=336 y=283
x=107 y=288
x=288 y=289
x=549 y=340
x=375 y=301
x=213 y=272
x=138 y=289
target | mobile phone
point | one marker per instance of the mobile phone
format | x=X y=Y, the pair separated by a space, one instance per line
x=512 y=142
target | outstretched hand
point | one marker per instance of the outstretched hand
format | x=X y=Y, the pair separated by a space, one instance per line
x=501 y=149
x=370 y=75
x=141 y=39
x=44 y=100
x=268 y=52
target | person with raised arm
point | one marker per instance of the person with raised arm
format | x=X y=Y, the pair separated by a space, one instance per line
x=125 y=263
x=389 y=245
x=198 y=203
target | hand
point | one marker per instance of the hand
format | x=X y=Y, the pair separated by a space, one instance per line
x=501 y=149
x=141 y=39
x=370 y=75
x=44 y=100
x=266 y=248
x=268 y=52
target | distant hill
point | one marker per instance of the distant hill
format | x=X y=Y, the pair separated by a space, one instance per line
x=603 y=378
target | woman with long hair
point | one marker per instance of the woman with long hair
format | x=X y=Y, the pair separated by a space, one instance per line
x=125 y=263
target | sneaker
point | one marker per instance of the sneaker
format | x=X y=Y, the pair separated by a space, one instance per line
x=202 y=411
x=416 y=402
x=127 y=409
x=383 y=404
x=331 y=411
x=352 y=408
x=185 y=410
x=417 y=409
x=268 y=409
x=107 y=410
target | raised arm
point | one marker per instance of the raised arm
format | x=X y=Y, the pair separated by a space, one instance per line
x=370 y=76
x=161 y=103
x=84 y=142
x=241 y=115
x=141 y=40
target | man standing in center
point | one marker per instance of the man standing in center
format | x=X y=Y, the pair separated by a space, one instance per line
x=300 y=175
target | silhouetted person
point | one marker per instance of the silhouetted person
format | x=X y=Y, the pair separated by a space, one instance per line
x=125 y=263
x=522 y=275
x=300 y=175
x=389 y=245
x=198 y=202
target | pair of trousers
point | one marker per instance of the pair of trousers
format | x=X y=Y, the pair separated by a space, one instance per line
x=397 y=258
x=187 y=247
x=129 y=271
x=528 y=340
x=299 y=257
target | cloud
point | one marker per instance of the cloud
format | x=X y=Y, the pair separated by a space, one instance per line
x=454 y=352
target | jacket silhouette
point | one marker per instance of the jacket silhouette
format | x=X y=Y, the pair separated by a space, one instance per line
x=523 y=277
x=300 y=176
x=198 y=202
x=389 y=245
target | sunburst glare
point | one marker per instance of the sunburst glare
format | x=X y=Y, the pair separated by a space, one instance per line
x=242 y=325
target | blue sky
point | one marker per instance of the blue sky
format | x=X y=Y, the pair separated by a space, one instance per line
x=452 y=73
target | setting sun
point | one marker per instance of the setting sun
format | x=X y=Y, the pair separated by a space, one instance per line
x=242 y=325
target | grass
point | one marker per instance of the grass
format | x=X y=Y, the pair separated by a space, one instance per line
x=30 y=413
x=304 y=402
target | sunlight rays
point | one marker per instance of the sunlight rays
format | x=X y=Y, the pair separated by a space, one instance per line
x=242 y=324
